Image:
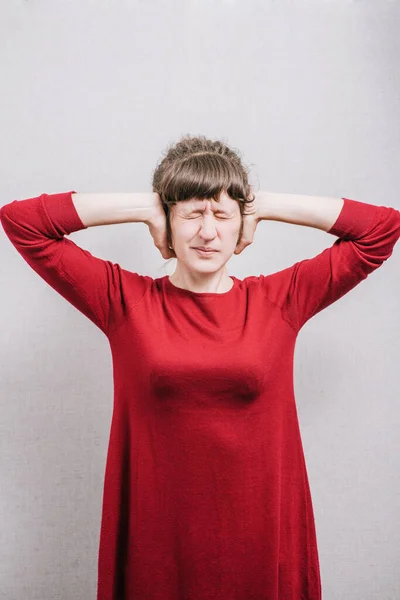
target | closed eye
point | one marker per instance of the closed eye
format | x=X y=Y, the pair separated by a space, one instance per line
x=224 y=217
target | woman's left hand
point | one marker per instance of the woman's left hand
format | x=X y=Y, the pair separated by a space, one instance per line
x=252 y=215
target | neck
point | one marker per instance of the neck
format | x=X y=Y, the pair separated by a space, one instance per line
x=218 y=282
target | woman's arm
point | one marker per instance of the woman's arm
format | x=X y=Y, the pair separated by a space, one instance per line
x=106 y=209
x=320 y=212
x=367 y=234
x=39 y=227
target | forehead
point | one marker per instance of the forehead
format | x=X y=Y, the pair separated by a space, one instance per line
x=225 y=202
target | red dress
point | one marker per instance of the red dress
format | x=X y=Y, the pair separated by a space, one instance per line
x=206 y=495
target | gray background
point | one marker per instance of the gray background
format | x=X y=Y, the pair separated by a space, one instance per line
x=92 y=92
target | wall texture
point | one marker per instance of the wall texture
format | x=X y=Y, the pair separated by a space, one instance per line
x=92 y=92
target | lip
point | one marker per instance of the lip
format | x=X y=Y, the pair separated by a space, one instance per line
x=204 y=252
x=205 y=248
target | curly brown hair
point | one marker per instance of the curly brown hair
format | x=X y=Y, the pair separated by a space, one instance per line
x=202 y=168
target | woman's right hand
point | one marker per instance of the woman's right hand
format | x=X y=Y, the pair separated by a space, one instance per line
x=157 y=224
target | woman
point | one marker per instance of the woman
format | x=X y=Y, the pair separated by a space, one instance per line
x=206 y=493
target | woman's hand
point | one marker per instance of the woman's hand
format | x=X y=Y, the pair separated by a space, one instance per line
x=251 y=218
x=157 y=225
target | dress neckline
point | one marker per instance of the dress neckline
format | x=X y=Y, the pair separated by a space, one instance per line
x=174 y=288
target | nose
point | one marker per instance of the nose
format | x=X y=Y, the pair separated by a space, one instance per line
x=207 y=230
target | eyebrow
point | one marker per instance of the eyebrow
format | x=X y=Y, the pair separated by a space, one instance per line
x=202 y=210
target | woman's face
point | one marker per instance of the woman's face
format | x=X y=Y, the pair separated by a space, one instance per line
x=207 y=223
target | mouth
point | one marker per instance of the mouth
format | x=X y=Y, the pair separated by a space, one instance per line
x=203 y=252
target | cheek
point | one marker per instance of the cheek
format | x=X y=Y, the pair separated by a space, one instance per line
x=184 y=232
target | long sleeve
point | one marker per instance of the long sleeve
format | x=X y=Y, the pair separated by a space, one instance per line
x=37 y=228
x=367 y=234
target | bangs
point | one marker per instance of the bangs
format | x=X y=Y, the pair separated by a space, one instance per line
x=202 y=175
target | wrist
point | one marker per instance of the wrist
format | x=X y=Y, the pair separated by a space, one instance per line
x=262 y=203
